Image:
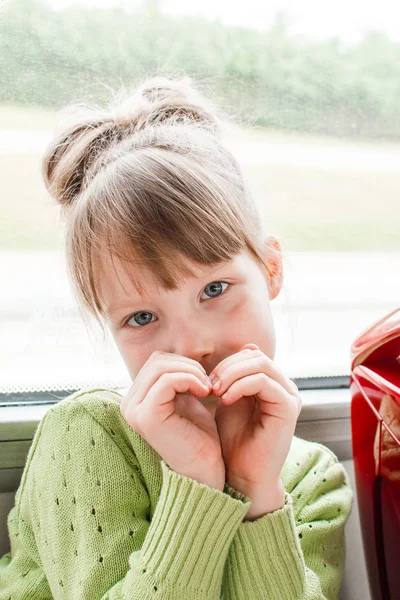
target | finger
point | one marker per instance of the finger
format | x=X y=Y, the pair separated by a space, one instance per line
x=287 y=383
x=250 y=347
x=243 y=354
x=149 y=374
x=156 y=356
x=177 y=357
x=272 y=398
x=156 y=406
x=256 y=362
x=169 y=384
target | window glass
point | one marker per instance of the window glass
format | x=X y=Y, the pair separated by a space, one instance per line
x=315 y=88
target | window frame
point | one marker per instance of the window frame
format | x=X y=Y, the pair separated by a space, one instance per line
x=324 y=418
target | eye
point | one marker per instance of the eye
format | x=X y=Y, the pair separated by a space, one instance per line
x=215 y=288
x=140 y=319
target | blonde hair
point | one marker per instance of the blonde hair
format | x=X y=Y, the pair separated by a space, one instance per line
x=148 y=180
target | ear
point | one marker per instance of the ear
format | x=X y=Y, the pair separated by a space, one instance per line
x=273 y=265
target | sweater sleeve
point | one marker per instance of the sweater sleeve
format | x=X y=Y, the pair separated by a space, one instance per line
x=80 y=529
x=294 y=554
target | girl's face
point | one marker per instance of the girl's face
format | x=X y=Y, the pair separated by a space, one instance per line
x=210 y=317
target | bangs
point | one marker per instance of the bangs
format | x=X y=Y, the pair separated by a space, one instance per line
x=163 y=226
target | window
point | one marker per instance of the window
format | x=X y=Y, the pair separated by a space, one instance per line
x=316 y=88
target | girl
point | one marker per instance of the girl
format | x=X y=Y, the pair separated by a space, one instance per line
x=193 y=484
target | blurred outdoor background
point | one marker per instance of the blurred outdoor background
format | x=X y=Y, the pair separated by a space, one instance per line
x=318 y=135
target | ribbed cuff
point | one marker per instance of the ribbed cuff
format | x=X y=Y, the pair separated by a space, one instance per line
x=265 y=558
x=192 y=529
x=231 y=491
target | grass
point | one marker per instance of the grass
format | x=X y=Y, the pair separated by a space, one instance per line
x=308 y=208
x=317 y=210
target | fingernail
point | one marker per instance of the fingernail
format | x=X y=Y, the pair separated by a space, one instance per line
x=216 y=385
x=212 y=378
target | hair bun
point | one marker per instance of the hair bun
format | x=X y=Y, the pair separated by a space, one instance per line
x=161 y=88
x=89 y=130
x=161 y=100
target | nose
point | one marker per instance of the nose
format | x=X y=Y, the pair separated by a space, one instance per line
x=192 y=339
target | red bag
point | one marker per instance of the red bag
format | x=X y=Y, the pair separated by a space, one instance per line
x=375 y=423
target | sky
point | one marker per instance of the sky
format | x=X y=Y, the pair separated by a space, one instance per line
x=346 y=19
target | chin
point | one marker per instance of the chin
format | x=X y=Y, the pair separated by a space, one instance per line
x=209 y=398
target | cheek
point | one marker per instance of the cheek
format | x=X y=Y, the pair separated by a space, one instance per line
x=134 y=355
x=253 y=324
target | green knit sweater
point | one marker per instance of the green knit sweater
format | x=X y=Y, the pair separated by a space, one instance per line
x=99 y=515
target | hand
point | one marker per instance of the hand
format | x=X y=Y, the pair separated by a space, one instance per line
x=256 y=420
x=163 y=406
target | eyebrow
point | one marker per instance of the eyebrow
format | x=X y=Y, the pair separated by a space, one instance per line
x=115 y=307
